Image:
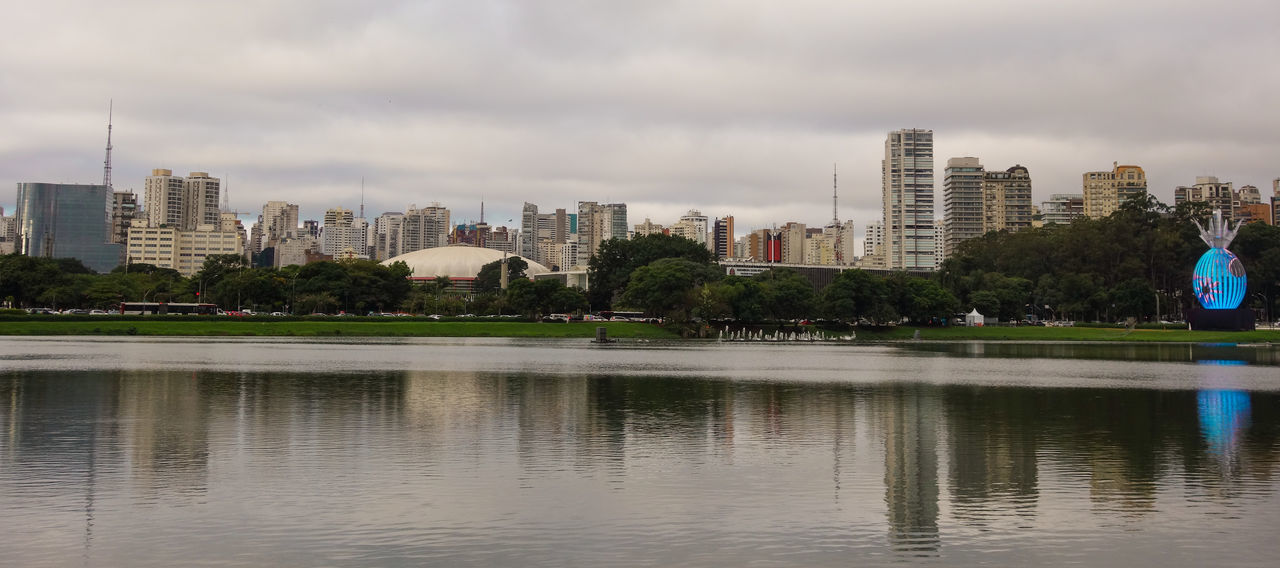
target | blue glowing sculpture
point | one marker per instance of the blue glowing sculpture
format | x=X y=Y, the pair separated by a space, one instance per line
x=1219 y=279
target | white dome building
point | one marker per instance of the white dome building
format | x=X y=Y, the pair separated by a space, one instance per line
x=461 y=263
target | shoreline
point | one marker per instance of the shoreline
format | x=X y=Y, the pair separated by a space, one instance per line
x=179 y=326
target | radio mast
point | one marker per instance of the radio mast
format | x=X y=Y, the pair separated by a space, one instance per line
x=106 y=164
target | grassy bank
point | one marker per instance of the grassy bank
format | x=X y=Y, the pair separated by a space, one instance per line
x=184 y=326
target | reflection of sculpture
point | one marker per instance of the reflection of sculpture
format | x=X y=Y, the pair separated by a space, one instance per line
x=1224 y=415
x=1219 y=278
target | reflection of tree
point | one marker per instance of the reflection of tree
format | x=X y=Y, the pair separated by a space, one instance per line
x=993 y=450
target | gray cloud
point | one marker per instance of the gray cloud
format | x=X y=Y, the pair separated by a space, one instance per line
x=727 y=107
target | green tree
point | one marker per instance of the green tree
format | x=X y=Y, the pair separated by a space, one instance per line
x=855 y=295
x=666 y=287
x=788 y=295
x=612 y=265
x=489 y=278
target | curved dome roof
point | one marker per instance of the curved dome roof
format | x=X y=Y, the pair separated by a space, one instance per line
x=456 y=261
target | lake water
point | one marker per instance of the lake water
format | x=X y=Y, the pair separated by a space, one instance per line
x=493 y=452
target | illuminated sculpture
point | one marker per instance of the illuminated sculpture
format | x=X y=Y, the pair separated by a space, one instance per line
x=1219 y=279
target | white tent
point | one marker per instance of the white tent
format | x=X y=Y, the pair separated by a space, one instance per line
x=974 y=318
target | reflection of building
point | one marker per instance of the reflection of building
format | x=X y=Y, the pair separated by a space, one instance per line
x=911 y=468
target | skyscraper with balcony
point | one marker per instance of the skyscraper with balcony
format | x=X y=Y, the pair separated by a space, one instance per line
x=962 y=192
x=907 y=176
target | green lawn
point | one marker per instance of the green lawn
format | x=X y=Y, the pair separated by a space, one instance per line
x=180 y=326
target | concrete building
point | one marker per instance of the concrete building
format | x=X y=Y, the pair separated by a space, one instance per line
x=1104 y=191
x=181 y=250
x=1006 y=200
x=181 y=202
x=962 y=202
x=873 y=246
x=423 y=228
x=1210 y=190
x=8 y=233
x=200 y=200
x=279 y=221
x=1062 y=208
x=124 y=208
x=793 y=237
x=598 y=223
x=55 y=220
x=907 y=175
x=386 y=234
x=722 y=237
x=164 y=194
x=649 y=228
x=343 y=235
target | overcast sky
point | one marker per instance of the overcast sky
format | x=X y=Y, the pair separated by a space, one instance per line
x=734 y=108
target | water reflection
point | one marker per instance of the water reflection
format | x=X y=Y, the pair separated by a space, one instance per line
x=1208 y=353
x=524 y=468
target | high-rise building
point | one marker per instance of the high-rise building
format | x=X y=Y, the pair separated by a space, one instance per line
x=907 y=175
x=722 y=237
x=1006 y=200
x=962 y=202
x=164 y=194
x=67 y=221
x=1062 y=208
x=280 y=222
x=386 y=231
x=424 y=228
x=764 y=245
x=200 y=200
x=124 y=208
x=699 y=225
x=598 y=223
x=8 y=233
x=179 y=202
x=793 y=242
x=344 y=235
x=1104 y=191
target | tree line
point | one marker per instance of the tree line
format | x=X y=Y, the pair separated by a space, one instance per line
x=1135 y=263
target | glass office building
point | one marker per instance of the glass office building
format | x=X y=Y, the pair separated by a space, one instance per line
x=58 y=220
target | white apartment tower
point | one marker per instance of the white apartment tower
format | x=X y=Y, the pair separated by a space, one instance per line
x=907 y=174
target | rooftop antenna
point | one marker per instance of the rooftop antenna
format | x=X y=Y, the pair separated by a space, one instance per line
x=106 y=164
x=362 y=197
x=226 y=194
x=482 y=209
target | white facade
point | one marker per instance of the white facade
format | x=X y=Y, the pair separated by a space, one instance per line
x=907 y=175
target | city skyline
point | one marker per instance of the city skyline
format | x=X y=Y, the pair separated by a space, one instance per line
x=666 y=107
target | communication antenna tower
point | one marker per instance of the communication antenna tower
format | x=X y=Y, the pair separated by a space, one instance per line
x=106 y=164
x=835 y=216
x=362 y=197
